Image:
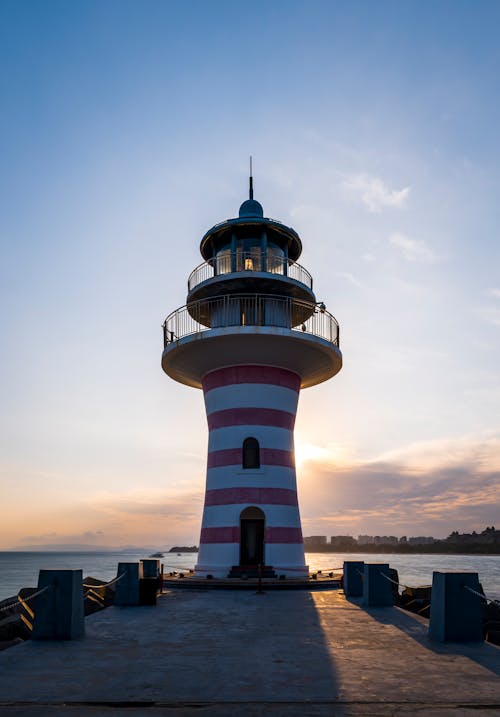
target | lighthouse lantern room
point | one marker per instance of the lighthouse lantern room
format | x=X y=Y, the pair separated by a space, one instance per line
x=251 y=335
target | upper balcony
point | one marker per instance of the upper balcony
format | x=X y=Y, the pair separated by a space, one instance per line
x=251 y=311
x=254 y=270
x=251 y=329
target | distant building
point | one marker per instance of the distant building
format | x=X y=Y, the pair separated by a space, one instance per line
x=314 y=541
x=489 y=535
x=342 y=541
x=421 y=540
x=377 y=540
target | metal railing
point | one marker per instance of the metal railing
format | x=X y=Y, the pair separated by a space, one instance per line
x=228 y=262
x=251 y=310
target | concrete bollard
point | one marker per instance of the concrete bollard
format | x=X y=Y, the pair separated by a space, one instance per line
x=127 y=588
x=456 y=613
x=59 y=613
x=353 y=578
x=149 y=584
x=377 y=589
x=150 y=567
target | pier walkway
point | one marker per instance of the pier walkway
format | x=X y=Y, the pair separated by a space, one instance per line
x=228 y=653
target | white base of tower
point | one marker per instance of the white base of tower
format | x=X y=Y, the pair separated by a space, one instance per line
x=219 y=571
x=217 y=560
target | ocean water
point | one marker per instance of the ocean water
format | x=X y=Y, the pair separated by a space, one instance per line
x=416 y=569
x=20 y=569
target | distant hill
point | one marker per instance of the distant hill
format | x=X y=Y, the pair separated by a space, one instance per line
x=184 y=549
x=80 y=547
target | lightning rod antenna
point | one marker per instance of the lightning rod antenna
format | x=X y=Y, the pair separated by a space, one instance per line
x=251 y=179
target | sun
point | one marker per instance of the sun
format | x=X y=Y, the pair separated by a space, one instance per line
x=305 y=452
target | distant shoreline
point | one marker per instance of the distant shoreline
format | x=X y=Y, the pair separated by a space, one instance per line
x=438 y=548
x=422 y=549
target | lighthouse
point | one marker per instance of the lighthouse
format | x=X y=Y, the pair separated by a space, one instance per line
x=251 y=335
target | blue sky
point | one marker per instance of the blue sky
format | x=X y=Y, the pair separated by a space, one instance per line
x=125 y=133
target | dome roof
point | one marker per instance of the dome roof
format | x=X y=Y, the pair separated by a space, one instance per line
x=251 y=208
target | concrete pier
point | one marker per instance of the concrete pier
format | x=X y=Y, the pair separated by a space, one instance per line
x=230 y=652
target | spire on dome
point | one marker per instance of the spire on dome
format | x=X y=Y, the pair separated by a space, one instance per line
x=250 y=193
x=251 y=207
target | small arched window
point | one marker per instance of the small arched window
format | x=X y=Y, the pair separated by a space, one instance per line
x=251 y=453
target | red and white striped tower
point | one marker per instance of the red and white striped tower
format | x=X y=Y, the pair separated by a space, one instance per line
x=251 y=335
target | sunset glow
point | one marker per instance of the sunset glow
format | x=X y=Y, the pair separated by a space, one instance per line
x=125 y=135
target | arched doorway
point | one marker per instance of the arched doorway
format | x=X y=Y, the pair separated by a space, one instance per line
x=252 y=536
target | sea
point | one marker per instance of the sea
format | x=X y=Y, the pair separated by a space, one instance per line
x=20 y=569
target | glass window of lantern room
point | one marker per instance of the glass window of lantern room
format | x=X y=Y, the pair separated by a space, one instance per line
x=248 y=254
x=251 y=453
x=275 y=259
x=223 y=260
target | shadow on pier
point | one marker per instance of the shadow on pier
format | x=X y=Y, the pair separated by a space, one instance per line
x=193 y=647
x=483 y=653
x=224 y=653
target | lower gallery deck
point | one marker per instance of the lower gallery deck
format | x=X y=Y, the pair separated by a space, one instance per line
x=226 y=653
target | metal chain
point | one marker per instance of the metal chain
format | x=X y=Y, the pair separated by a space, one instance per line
x=31 y=597
x=395 y=582
x=105 y=585
x=177 y=567
x=401 y=585
x=481 y=595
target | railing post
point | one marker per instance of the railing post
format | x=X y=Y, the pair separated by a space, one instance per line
x=259 y=573
x=233 y=253
x=263 y=250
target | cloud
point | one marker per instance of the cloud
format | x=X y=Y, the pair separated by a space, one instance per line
x=490 y=314
x=87 y=537
x=152 y=518
x=350 y=278
x=114 y=520
x=403 y=493
x=413 y=249
x=374 y=192
x=477 y=453
x=425 y=488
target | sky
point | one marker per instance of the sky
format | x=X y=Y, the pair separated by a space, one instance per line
x=125 y=132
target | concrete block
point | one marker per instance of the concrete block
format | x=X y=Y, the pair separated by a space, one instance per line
x=127 y=588
x=150 y=567
x=148 y=591
x=59 y=613
x=377 y=589
x=353 y=578
x=456 y=613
